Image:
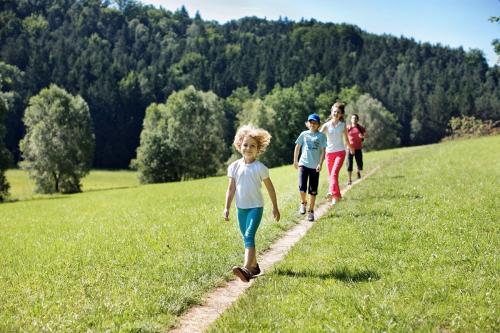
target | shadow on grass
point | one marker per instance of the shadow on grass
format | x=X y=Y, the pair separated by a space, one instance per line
x=53 y=197
x=343 y=274
x=109 y=188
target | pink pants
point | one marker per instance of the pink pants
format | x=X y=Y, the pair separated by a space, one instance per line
x=334 y=162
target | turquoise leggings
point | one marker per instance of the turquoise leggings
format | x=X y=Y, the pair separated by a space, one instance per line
x=249 y=220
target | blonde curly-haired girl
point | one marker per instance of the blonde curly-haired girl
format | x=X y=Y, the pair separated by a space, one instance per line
x=245 y=178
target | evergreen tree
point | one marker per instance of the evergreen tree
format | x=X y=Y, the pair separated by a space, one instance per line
x=59 y=143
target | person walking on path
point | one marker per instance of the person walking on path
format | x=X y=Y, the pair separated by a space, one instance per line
x=311 y=145
x=245 y=178
x=337 y=140
x=356 y=135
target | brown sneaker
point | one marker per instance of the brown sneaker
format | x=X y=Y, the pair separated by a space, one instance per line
x=244 y=274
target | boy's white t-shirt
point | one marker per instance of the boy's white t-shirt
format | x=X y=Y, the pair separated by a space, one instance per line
x=248 y=179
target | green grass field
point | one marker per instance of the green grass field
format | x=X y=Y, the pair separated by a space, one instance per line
x=22 y=187
x=414 y=247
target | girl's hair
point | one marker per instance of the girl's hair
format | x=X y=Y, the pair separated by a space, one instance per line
x=341 y=107
x=260 y=135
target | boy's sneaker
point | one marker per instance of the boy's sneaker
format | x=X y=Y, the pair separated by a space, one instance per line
x=302 y=208
x=310 y=216
x=333 y=202
x=359 y=175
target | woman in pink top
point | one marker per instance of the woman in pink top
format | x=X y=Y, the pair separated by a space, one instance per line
x=356 y=134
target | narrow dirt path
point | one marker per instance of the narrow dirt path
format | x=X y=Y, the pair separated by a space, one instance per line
x=199 y=317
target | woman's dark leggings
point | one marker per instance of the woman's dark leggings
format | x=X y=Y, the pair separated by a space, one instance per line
x=358 y=155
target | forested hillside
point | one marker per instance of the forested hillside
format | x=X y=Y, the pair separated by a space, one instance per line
x=121 y=56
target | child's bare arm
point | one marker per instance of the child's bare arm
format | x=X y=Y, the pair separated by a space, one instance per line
x=323 y=127
x=296 y=156
x=346 y=140
x=321 y=159
x=231 y=189
x=272 y=196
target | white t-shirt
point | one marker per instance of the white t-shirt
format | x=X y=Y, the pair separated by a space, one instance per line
x=248 y=178
x=334 y=137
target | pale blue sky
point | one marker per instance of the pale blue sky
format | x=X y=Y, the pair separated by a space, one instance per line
x=450 y=22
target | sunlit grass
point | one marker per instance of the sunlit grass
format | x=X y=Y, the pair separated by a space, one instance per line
x=133 y=258
x=22 y=187
x=413 y=248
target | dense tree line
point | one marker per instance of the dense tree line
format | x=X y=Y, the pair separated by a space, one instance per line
x=123 y=56
x=4 y=153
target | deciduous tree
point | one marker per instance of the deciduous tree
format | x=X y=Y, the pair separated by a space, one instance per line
x=4 y=153
x=58 y=147
x=183 y=138
x=381 y=125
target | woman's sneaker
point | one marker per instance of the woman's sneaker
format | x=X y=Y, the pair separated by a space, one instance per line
x=310 y=216
x=302 y=208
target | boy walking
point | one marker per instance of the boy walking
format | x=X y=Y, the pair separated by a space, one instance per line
x=311 y=144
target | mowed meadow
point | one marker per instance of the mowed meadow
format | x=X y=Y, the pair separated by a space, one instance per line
x=413 y=247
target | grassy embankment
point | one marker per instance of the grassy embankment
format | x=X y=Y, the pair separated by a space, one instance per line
x=413 y=248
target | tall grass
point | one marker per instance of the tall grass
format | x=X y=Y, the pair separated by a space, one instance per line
x=413 y=248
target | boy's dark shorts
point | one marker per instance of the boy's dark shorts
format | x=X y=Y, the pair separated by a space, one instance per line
x=313 y=175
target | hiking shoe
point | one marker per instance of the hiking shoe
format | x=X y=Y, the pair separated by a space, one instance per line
x=359 y=175
x=244 y=274
x=310 y=216
x=302 y=208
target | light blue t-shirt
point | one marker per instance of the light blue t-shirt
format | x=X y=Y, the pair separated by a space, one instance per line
x=311 y=148
x=334 y=134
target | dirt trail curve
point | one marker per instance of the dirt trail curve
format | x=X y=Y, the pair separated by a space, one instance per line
x=199 y=317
